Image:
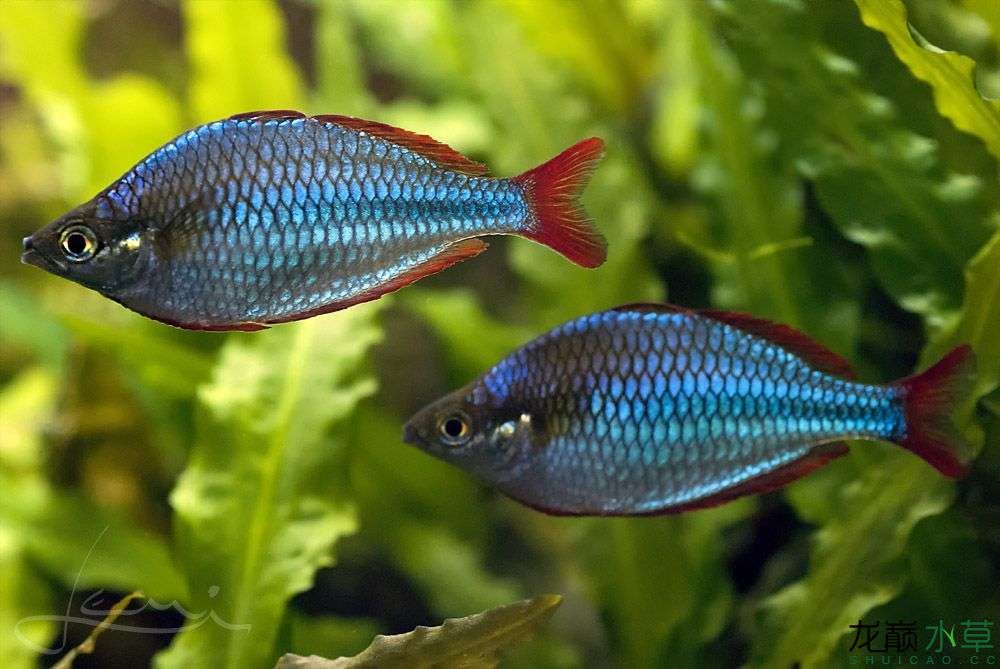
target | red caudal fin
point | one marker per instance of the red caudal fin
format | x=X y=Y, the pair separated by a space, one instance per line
x=552 y=190
x=929 y=400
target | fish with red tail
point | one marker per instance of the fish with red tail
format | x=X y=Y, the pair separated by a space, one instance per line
x=275 y=216
x=649 y=409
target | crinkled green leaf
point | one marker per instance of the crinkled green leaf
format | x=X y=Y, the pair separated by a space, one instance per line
x=949 y=74
x=767 y=265
x=474 y=641
x=855 y=565
x=882 y=182
x=263 y=499
x=238 y=59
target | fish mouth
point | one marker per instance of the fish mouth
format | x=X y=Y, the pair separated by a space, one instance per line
x=32 y=257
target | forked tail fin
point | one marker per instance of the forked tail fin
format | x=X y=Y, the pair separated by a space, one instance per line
x=929 y=400
x=553 y=190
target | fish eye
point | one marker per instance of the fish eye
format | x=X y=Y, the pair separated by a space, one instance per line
x=78 y=243
x=454 y=429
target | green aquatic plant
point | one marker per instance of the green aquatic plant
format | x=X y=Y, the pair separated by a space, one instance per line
x=472 y=641
x=832 y=165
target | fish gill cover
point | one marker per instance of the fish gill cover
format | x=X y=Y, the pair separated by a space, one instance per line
x=827 y=165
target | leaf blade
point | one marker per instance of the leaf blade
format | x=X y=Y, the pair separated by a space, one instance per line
x=262 y=502
x=948 y=73
x=473 y=641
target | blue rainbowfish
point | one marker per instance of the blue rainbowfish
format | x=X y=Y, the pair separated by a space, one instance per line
x=269 y=217
x=649 y=409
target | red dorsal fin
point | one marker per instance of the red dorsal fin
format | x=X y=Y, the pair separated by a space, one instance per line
x=428 y=147
x=807 y=348
x=786 y=336
x=654 y=308
x=268 y=115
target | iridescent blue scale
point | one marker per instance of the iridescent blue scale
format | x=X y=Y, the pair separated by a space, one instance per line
x=648 y=410
x=308 y=213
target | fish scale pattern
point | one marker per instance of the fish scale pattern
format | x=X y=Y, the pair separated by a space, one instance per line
x=645 y=410
x=271 y=217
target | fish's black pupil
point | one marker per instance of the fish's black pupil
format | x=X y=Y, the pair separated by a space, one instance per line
x=76 y=243
x=454 y=427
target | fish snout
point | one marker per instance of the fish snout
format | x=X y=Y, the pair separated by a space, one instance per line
x=411 y=435
x=29 y=254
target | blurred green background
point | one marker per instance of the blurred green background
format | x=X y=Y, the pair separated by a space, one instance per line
x=811 y=162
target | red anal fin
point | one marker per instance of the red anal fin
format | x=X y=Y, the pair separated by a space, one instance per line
x=782 y=476
x=236 y=327
x=453 y=254
x=428 y=147
x=786 y=336
x=202 y=327
x=211 y=327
